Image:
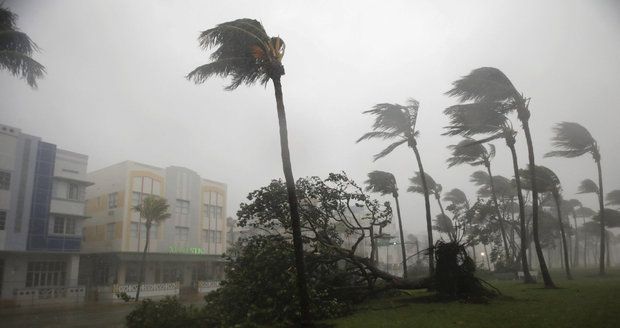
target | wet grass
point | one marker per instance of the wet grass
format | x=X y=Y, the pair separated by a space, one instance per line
x=587 y=301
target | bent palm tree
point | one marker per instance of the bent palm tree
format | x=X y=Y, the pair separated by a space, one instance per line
x=573 y=140
x=397 y=121
x=548 y=181
x=384 y=183
x=248 y=55
x=489 y=85
x=468 y=151
x=153 y=210
x=613 y=198
x=16 y=49
x=572 y=204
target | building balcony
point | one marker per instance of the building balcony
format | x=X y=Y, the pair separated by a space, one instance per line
x=67 y=207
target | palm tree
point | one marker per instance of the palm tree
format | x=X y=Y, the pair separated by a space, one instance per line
x=153 y=210
x=248 y=55
x=613 y=198
x=457 y=197
x=548 y=181
x=384 y=183
x=398 y=121
x=16 y=49
x=468 y=151
x=489 y=85
x=573 y=140
x=571 y=204
x=584 y=213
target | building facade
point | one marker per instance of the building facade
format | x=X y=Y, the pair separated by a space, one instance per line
x=184 y=251
x=42 y=210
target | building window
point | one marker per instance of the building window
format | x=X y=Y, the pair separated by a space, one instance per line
x=5 y=180
x=110 y=231
x=182 y=234
x=2 y=220
x=113 y=200
x=181 y=211
x=213 y=209
x=211 y=236
x=73 y=193
x=64 y=225
x=46 y=274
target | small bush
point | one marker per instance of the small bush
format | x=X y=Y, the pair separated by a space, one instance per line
x=168 y=313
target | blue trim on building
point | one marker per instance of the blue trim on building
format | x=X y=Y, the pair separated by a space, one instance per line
x=38 y=234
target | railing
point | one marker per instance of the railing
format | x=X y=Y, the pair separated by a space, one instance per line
x=205 y=286
x=45 y=295
x=147 y=290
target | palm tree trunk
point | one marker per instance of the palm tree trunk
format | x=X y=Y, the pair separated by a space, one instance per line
x=304 y=300
x=585 y=245
x=146 y=247
x=486 y=255
x=427 y=205
x=402 y=238
x=556 y=198
x=601 y=268
x=532 y=168
x=576 y=249
x=499 y=215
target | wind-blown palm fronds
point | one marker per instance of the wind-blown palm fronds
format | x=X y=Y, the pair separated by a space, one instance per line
x=457 y=197
x=416 y=184
x=468 y=151
x=244 y=52
x=16 y=50
x=587 y=186
x=613 y=198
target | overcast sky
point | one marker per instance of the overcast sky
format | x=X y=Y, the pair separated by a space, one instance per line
x=115 y=87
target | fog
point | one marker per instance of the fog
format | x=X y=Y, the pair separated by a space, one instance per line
x=115 y=86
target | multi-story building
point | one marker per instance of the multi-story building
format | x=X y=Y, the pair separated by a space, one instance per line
x=41 y=214
x=184 y=250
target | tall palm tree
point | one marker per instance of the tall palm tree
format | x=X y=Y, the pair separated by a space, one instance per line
x=468 y=151
x=573 y=140
x=394 y=121
x=16 y=49
x=549 y=182
x=248 y=55
x=384 y=183
x=489 y=85
x=442 y=222
x=153 y=210
x=585 y=213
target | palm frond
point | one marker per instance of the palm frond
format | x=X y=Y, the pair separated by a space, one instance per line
x=484 y=84
x=475 y=118
x=546 y=180
x=381 y=182
x=613 y=198
x=417 y=187
x=612 y=218
x=7 y=18
x=480 y=178
x=378 y=135
x=389 y=149
x=13 y=40
x=585 y=212
x=455 y=196
x=573 y=203
x=587 y=186
x=571 y=140
x=21 y=65
x=243 y=51
x=468 y=151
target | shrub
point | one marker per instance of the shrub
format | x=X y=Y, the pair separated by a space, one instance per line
x=168 y=313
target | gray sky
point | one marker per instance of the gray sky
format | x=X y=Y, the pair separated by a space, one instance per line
x=115 y=87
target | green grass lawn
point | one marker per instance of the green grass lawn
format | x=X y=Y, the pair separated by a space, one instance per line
x=587 y=301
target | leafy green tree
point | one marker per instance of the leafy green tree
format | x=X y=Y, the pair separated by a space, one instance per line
x=153 y=210
x=394 y=121
x=16 y=49
x=573 y=140
x=489 y=85
x=384 y=183
x=248 y=55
